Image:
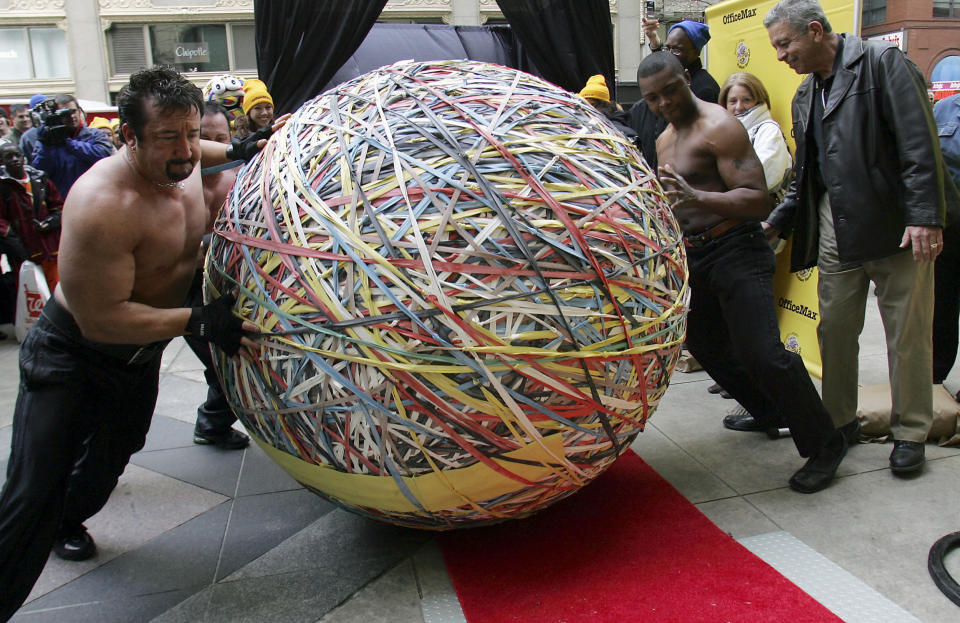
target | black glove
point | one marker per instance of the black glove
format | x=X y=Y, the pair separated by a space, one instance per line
x=51 y=223
x=53 y=135
x=215 y=323
x=246 y=148
x=12 y=247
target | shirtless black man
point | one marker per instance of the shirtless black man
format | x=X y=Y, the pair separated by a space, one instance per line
x=716 y=187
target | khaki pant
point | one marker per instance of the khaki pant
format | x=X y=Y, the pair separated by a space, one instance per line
x=904 y=289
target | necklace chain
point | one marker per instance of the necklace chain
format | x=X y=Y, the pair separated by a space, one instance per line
x=178 y=185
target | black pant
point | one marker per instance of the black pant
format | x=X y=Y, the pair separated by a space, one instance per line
x=946 y=304
x=214 y=416
x=732 y=331
x=81 y=412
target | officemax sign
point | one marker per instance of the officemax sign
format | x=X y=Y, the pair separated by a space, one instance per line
x=189 y=52
x=736 y=16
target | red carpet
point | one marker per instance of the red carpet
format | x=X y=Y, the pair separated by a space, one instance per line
x=627 y=548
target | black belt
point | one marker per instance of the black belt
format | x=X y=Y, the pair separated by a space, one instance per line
x=129 y=354
x=711 y=233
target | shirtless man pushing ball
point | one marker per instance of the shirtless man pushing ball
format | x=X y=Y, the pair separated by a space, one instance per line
x=716 y=187
x=89 y=368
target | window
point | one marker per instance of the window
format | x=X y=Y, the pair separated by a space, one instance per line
x=874 y=12
x=947 y=70
x=188 y=47
x=33 y=52
x=946 y=8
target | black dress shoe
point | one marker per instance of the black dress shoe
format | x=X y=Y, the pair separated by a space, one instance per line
x=743 y=422
x=715 y=388
x=851 y=432
x=230 y=440
x=907 y=456
x=75 y=544
x=819 y=470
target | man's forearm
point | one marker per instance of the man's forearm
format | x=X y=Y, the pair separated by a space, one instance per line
x=132 y=323
x=212 y=153
x=739 y=203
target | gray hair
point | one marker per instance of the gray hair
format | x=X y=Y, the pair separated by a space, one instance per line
x=797 y=15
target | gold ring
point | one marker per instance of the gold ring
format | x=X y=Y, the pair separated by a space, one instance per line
x=934 y=245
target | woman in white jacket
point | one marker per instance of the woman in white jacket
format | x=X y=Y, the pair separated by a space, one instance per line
x=744 y=96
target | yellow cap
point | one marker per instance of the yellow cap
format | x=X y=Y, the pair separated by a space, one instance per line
x=255 y=92
x=100 y=123
x=596 y=89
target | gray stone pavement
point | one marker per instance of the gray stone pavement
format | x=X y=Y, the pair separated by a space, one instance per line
x=198 y=534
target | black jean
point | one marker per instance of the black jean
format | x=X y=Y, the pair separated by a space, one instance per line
x=214 y=416
x=946 y=305
x=732 y=331
x=80 y=414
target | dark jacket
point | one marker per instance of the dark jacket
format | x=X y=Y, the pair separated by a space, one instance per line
x=65 y=162
x=621 y=121
x=947 y=114
x=19 y=213
x=648 y=126
x=884 y=169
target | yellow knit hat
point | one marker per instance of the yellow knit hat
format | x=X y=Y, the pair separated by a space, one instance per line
x=100 y=123
x=596 y=89
x=255 y=92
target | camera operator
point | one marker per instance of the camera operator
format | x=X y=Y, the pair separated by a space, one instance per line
x=66 y=148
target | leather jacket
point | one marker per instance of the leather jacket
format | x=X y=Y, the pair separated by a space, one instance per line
x=884 y=169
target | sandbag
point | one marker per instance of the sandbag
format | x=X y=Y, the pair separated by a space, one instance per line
x=873 y=409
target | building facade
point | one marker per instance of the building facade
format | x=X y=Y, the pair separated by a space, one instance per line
x=928 y=31
x=89 y=47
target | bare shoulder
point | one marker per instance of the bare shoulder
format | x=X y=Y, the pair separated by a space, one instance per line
x=101 y=201
x=720 y=129
x=666 y=135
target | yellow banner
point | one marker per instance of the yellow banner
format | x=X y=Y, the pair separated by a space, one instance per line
x=739 y=42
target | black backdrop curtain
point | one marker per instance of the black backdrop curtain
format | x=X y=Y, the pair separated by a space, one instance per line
x=302 y=43
x=568 y=40
x=389 y=43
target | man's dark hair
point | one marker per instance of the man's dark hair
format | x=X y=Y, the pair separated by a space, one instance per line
x=65 y=98
x=657 y=62
x=16 y=109
x=3 y=113
x=162 y=84
x=215 y=108
x=797 y=15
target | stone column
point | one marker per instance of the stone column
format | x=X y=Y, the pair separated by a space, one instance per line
x=629 y=34
x=85 y=41
x=465 y=13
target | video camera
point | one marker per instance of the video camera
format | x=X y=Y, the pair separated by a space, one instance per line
x=55 y=124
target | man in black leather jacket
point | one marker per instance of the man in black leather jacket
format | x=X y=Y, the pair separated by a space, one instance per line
x=867 y=204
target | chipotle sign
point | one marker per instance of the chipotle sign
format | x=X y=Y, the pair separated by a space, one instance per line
x=190 y=52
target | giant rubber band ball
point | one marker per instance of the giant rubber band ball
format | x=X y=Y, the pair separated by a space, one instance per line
x=479 y=286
